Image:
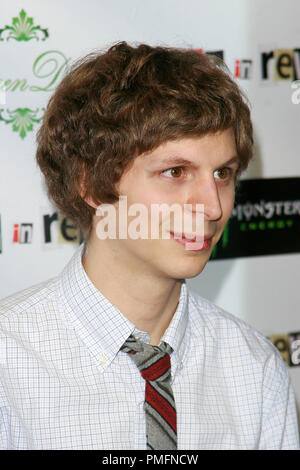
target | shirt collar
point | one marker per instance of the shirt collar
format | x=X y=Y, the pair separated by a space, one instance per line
x=101 y=325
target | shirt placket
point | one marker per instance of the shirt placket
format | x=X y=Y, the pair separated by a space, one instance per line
x=140 y=420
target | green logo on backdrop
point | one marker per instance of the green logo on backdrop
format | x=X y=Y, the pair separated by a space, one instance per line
x=22 y=119
x=47 y=66
x=23 y=29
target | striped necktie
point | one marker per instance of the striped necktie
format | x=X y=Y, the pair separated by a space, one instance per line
x=155 y=367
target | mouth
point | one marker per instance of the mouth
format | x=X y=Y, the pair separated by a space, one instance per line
x=193 y=242
x=191 y=237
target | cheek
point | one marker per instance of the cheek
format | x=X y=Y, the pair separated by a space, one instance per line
x=148 y=197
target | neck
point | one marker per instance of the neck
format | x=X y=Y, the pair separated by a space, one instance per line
x=145 y=298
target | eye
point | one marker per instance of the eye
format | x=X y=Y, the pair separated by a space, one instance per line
x=176 y=172
x=224 y=173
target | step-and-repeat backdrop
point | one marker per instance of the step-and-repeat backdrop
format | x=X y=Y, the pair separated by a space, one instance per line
x=254 y=269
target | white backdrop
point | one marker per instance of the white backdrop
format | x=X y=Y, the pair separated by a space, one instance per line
x=261 y=290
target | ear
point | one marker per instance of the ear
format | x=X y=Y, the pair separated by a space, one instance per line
x=90 y=202
x=82 y=185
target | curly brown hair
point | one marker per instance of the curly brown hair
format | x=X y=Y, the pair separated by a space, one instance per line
x=113 y=106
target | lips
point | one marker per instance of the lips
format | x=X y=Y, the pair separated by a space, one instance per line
x=189 y=237
x=193 y=244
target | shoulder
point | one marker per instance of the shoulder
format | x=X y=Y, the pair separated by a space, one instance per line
x=28 y=305
x=229 y=333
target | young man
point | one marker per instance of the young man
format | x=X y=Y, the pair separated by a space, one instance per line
x=116 y=352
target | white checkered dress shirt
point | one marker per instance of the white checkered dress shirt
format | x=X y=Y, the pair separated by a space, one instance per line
x=65 y=385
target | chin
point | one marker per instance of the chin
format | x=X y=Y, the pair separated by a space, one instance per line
x=186 y=270
x=189 y=274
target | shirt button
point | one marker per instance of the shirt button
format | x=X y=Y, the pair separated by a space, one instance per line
x=181 y=365
x=102 y=359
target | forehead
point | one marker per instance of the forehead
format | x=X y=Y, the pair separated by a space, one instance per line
x=192 y=150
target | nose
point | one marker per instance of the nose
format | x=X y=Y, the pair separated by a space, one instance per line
x=205 y=191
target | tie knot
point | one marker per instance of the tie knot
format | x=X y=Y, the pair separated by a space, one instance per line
x=153 y=361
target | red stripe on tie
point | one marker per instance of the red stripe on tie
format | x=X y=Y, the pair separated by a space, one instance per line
x=157 y=369
x=162 y=406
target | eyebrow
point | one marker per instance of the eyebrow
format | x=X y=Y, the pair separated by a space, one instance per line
x=183 y=161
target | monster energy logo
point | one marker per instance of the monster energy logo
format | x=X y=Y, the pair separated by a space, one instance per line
x=266 y=225
x=260 y=216
x=267 y=209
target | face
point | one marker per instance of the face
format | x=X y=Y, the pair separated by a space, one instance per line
x=197 y=170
